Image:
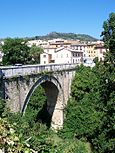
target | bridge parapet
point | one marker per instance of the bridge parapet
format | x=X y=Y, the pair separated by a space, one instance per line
x=12 y=71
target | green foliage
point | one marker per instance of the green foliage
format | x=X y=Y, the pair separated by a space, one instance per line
x=15 y=51
x=9 y=141
x=84 y=81
x=34 y=54
x=2 y=106
x=91 y=110
x=109 y=38
x=90 y=113
x=107 y=82
x=83 y=107
x=96 y=60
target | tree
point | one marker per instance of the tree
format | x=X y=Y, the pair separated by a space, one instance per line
x=15 y=51
x=109 y=38
x=83 y=113
x=91 y=109
x=107 y=83
x=34 y=54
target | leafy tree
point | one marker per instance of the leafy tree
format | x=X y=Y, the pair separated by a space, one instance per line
x=91 y=109
x=90 y=113
x=107 y=82
x=83 y=114
x=109 y=38
x=15 y=51
x=34 y=54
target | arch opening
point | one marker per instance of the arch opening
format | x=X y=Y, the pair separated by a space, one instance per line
x=46 y=112
x=50 y=112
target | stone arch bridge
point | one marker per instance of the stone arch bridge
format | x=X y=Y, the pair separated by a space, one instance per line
x=17 y=84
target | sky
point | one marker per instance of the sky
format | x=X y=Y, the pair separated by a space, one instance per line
x=29 y=18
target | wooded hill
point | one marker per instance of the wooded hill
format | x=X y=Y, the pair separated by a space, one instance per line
x=53 y=35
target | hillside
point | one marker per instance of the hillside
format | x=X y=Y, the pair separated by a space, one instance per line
x=52 y=35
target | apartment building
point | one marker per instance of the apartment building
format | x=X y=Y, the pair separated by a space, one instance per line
x=68 y=55
x=99 y=48
x=82 y=48
x=61 y=55
x=96 y=49
x=48 y=56
x=91 y=52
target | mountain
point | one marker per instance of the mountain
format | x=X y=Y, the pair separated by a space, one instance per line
x=53 y=35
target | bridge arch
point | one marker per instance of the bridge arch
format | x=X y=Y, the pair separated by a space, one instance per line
x=55 y=98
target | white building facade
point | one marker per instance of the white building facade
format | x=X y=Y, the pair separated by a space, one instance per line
x=61 y=55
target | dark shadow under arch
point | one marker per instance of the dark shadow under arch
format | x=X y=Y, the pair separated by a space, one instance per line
x=45 y=114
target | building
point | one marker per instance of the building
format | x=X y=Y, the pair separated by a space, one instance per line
x=68 y=51
x=99 y=48
x=91 y=52
x=96 y=49
x=48 y=56
x=61 y=55
x=82 y=48
x=41 y=43
x=68 y=55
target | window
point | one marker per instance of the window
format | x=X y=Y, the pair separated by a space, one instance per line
x=44 y=56
x=75 y=54
x=101 y=51
x=100 y=59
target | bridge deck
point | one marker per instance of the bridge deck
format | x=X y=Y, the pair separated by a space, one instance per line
x=11 y=71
